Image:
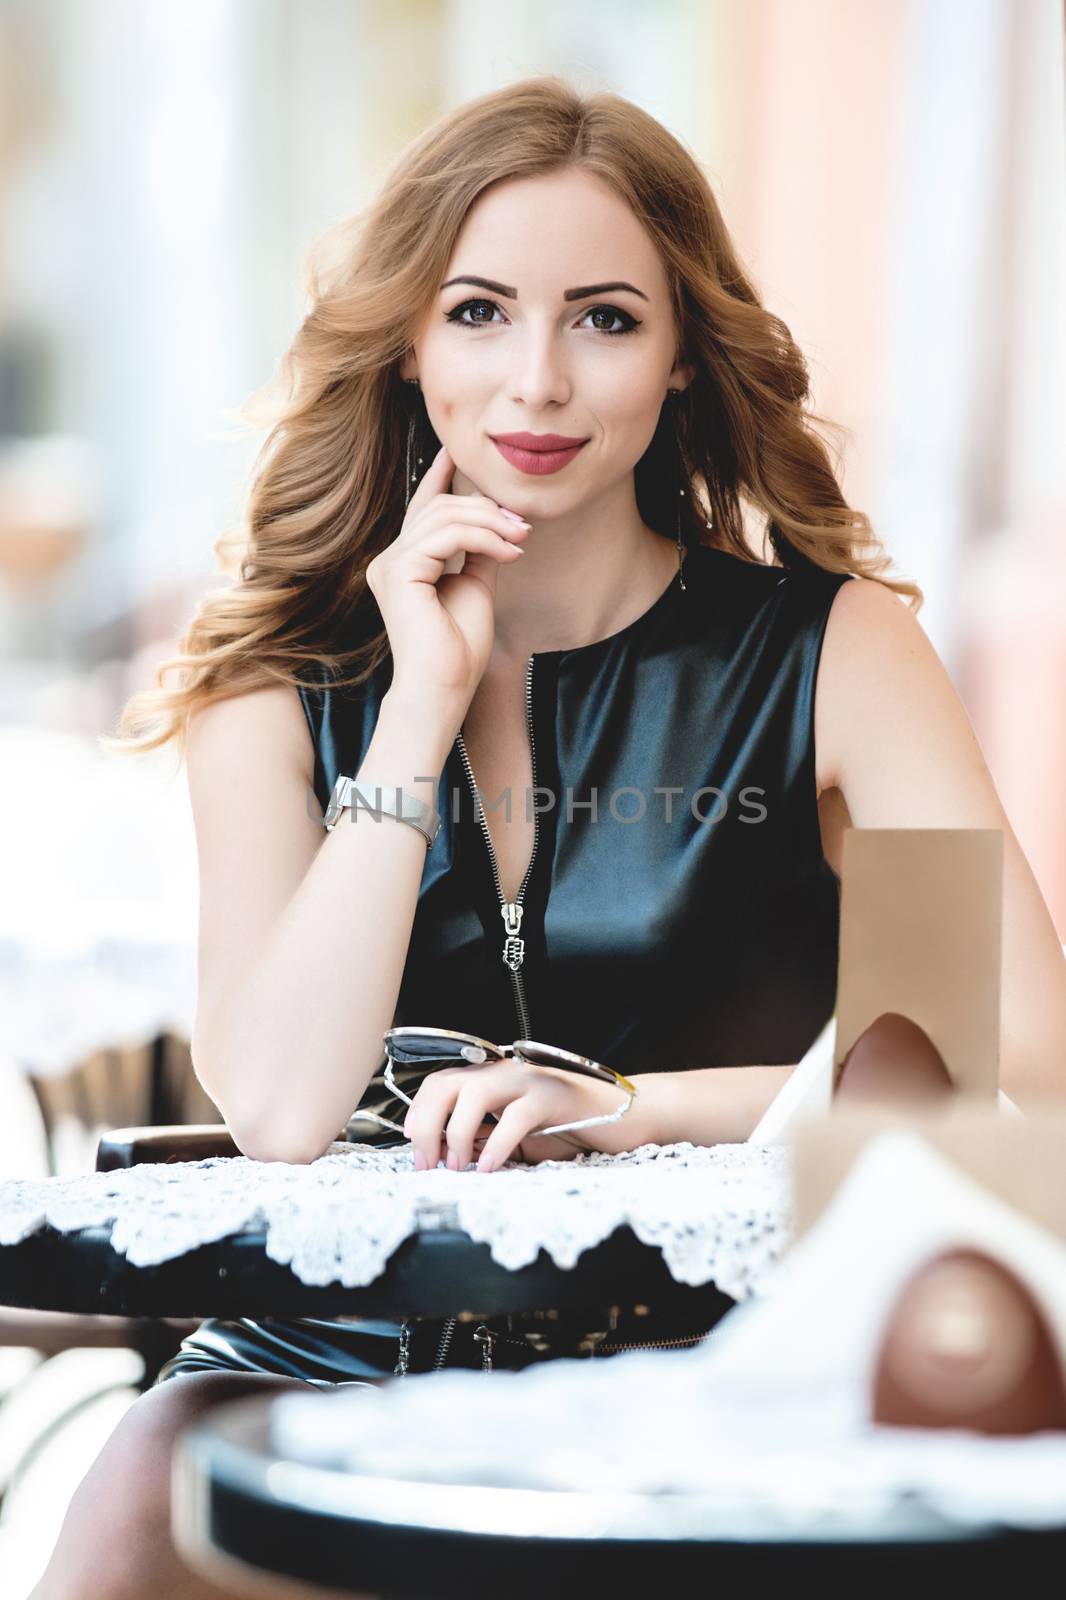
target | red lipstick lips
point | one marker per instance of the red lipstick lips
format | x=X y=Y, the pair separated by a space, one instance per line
x=537 y=453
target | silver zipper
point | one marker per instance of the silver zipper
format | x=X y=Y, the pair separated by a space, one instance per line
x=653 y=1344
x=445 y=1340
x=512 y=955
x=514 y=947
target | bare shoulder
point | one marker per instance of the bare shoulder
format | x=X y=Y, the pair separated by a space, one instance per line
x=897 y=740
x=878 y=672
x=261 y=725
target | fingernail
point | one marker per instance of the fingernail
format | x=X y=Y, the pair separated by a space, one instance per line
x=452 y=1162
x=515 y=517
x=420 y=1161
x=485 y=1164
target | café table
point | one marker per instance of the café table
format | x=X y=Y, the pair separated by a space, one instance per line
x=358 y=1233
x=753 y=1456
x=244 y=1510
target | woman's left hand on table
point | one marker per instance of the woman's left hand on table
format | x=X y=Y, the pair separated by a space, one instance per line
x=447 y=1120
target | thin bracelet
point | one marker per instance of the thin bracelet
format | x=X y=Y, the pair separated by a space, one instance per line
x=589 y=1122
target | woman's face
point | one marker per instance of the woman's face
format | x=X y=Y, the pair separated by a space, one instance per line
x=520 y=352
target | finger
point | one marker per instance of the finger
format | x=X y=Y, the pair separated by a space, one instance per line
x=425 y=561
x=479 y=1097
x=449 y=509
x=462 y=533
x=520 y=1118
x=467 y=539
x=429 y=1111
x=425 y=1092
x=535 y=1148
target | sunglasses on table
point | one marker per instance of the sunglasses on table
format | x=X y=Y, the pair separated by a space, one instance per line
x=444 y=1047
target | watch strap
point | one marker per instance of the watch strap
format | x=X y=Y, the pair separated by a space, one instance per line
x=382 y=799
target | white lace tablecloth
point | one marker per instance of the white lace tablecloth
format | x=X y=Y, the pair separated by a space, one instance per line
x=719 y=1214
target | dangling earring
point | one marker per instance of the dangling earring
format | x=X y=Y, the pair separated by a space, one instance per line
x=411 y=477
x=671 y=395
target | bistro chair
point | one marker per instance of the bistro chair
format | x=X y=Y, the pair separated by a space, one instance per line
x=123 y=1084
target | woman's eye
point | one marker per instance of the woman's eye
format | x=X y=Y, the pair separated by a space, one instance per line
x=456 y=315
x=612 y=313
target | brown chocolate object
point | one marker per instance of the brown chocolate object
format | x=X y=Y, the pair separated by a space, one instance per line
x=894 y=1062
x=966 y=1346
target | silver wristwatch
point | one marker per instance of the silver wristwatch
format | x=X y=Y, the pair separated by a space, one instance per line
x=393 y=801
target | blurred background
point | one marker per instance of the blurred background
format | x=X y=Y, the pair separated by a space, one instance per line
x=893 y=174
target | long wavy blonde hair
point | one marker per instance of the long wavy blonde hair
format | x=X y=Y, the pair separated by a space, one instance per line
x=327 y=490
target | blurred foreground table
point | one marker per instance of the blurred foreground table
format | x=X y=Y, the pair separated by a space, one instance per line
x=241 y=1511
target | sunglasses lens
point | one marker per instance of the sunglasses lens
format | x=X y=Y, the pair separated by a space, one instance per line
x=409 y=1044
x=543 y=1055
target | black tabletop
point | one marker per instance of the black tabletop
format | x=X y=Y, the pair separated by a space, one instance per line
x=239 y=1507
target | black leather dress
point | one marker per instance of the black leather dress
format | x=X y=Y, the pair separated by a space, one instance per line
x=678 y=911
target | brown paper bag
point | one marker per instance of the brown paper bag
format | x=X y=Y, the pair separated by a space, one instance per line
x=1021 y=1159
x=920 y=935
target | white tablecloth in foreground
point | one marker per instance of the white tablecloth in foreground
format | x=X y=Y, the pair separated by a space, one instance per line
x=771 y=1411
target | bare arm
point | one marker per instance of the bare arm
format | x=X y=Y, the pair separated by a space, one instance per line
x=703 y=1105
x=303 y=933
x=904 y=754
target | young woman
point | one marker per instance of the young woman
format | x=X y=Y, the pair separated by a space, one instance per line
x=500 y=541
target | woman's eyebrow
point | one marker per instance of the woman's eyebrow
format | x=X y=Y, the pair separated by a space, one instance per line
x=510 y=293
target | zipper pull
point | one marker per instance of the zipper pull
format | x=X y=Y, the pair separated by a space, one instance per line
x=486 y=1338
x=514 y=948
x=403 y=1355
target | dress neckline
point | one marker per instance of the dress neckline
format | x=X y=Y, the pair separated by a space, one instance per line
x=661 y=604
